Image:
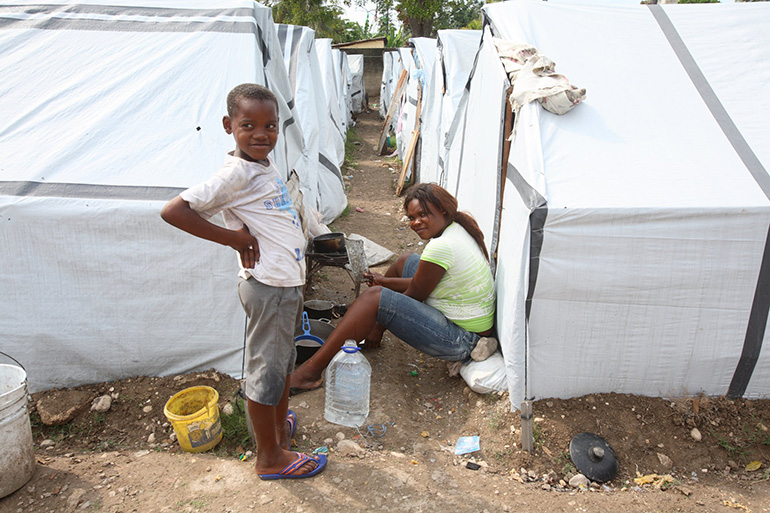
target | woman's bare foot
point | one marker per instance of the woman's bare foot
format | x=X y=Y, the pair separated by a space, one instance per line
x=374 y=338
x=302 y=380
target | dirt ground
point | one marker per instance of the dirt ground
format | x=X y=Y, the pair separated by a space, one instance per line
x=124 y=460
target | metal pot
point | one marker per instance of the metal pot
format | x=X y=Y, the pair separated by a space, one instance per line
x=329 y=243
x=306 y=347
x=318 y=309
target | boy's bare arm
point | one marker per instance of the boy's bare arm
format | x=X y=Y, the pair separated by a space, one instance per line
x=178 y=213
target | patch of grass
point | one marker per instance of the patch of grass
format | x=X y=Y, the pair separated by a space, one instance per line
x=503 y=454
x=350 y=147
x=345 y=211
x=732 y=447
x=198 y=503
x=538 y=435
x=235 y=428
x=566 y=462
x=495 y=422
x=97 y=504
x=741 y=445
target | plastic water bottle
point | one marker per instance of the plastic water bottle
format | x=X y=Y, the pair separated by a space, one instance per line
x=347 y=387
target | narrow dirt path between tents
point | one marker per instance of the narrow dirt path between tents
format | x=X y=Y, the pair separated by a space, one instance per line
x=125 y=460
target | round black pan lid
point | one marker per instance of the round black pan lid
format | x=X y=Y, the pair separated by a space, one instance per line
x=593 y=457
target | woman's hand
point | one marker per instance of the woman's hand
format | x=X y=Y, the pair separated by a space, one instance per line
x=425 y=280
x=246 y=246
x=373 y=279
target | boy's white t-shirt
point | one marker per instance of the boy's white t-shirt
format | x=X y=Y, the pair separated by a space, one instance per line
x=255 y=195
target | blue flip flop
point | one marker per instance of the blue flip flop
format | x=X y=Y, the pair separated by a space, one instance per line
x=288 y=472
x=291 y=418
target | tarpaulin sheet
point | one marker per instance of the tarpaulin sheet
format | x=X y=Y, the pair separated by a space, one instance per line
x=631 y=251
x=108 y=112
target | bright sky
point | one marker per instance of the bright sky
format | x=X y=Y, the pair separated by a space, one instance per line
x=358 y=14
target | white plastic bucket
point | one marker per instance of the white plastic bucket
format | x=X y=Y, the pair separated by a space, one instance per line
x=17 y=455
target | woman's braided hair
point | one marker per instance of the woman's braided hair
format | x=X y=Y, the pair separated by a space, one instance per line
x=426 y=193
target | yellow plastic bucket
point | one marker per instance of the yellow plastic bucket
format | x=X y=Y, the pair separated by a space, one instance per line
x=194 y=413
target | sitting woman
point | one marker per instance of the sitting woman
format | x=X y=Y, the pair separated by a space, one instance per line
x=441 y=303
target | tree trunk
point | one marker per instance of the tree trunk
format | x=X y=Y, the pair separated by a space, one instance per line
x=420 y=28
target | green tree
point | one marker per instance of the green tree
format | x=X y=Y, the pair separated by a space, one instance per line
x=458 y=14
x=323 y=16
x=422 y=18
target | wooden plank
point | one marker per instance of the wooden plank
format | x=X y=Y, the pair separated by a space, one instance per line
x=412 y=144
x=409 y=152
x=394 y=101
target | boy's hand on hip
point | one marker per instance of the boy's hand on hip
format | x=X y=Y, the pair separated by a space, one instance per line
x=247 y=247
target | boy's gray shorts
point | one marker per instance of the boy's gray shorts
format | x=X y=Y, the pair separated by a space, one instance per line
x=273 y=313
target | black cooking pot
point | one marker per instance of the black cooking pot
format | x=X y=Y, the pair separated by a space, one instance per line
x=318 y=309
x=306 y=347
x=329 y=243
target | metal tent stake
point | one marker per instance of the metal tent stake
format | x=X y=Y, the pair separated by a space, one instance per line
x=527 y=439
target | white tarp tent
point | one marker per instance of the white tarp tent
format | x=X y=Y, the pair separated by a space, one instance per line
x=108 y=112
x=345 y=85
x=358 y=89
x=332 y=88
x=388 y=81
x=631 y=233
x=455 y=52
x=418 y=61
x=326 y=189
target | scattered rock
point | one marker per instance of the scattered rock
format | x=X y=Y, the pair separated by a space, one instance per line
x=340 y=436
x=665 y=460
x=47 y=443
x=349 y=448
x=578 y=480
x=228 y=409
x=60 y=406
x=74 y=499
x=101 y=404
x=695 y=434
x=151 y=438
x=147 y=409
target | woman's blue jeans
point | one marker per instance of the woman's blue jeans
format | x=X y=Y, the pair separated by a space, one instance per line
x=422 y=326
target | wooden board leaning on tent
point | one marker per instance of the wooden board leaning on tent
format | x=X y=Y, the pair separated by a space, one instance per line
x=412 y=143
x=394 y=102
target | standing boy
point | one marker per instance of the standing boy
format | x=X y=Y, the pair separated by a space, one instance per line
x=262 y=225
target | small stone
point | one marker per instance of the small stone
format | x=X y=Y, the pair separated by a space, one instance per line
x=47 y=443
x=665 y=460
x=151 y=438
x=695 y=434
x=349 y=448
x=577 y=480
x=147 y=409
x=228 y=409
x=340 y=436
